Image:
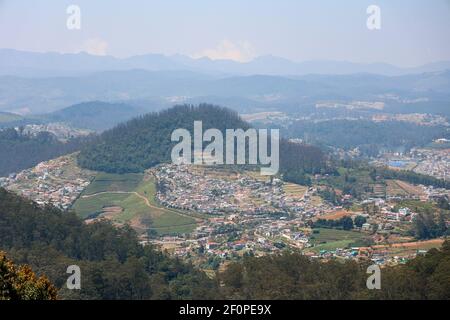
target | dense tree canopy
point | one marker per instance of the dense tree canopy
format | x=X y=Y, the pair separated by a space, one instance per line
x=293 y=276
x=113 y=263
x=20 y=283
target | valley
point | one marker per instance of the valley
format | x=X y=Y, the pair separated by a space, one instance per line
x=211 y=216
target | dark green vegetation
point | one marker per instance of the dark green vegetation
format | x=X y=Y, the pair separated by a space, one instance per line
x=113 y=264
x=146 y=141
x=293 y=276
x=354 y=179
x=430 y=226
x=94 y=115
x=297 y=161
x=371 y=137
x=430 y=219
x=344 y=223
x=20 y=151
x=104 y=182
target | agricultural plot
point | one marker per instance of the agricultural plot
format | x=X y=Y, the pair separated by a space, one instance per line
x=130 y=198
x=408 y=248
x=401 y=188
x=336 y=215
x=108 y=182
x=331 y=239
x=294 y=190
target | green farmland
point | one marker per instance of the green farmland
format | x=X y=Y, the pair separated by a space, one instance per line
x=331 y=239
x=130 y=198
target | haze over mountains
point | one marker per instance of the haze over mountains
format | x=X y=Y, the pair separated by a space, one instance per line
x=22 y=63
x=39 y=83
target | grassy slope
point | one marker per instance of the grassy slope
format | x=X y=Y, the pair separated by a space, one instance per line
x=162 y=220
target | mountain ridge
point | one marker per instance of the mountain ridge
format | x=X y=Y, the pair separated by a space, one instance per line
x=39 y=64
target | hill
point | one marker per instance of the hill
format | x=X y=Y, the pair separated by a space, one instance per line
x=94 y=115
x=426 y=93
x=144 y=142
x=25 y=63
x=113 y=263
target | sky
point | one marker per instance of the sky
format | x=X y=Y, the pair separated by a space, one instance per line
x=412 y=33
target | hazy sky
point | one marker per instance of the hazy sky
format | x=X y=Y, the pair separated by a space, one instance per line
x=413 y=32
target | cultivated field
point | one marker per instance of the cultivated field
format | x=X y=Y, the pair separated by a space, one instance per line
x=130 y=198
x=401 y=188
x=331 y=239
x=336 y=215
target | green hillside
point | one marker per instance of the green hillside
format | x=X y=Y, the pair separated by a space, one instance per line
x=145 y=141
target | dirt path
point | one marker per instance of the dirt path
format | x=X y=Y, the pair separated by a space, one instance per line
x=147 y=202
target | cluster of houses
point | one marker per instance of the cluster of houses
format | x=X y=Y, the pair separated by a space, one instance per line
x=379 y=257
x=57 y=182
x=61 y=131
x=433 y=162
x=184 y=187
x=428 y=161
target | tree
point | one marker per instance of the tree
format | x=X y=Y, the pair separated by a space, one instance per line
x=20 y=283
x=347 y=223
x=443 y=203
x=359 y=221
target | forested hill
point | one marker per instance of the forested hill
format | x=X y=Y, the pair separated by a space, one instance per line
x=146 y=141
x=113 y=263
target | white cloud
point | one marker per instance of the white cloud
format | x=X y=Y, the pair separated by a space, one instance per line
x=241 y=51
x=95 y=46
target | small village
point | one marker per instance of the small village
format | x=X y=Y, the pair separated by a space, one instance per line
x=433 y=162
x=61 y=131
x=58 y=182
x=229 y=234
x=216 y=192
x=240 y=213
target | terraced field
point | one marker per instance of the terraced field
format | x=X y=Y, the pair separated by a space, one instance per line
x=401 y=188
x=130 y=198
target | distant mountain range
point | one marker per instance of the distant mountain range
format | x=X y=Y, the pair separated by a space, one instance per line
x=38 y=83
x=155 y=90
x=22 y=63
